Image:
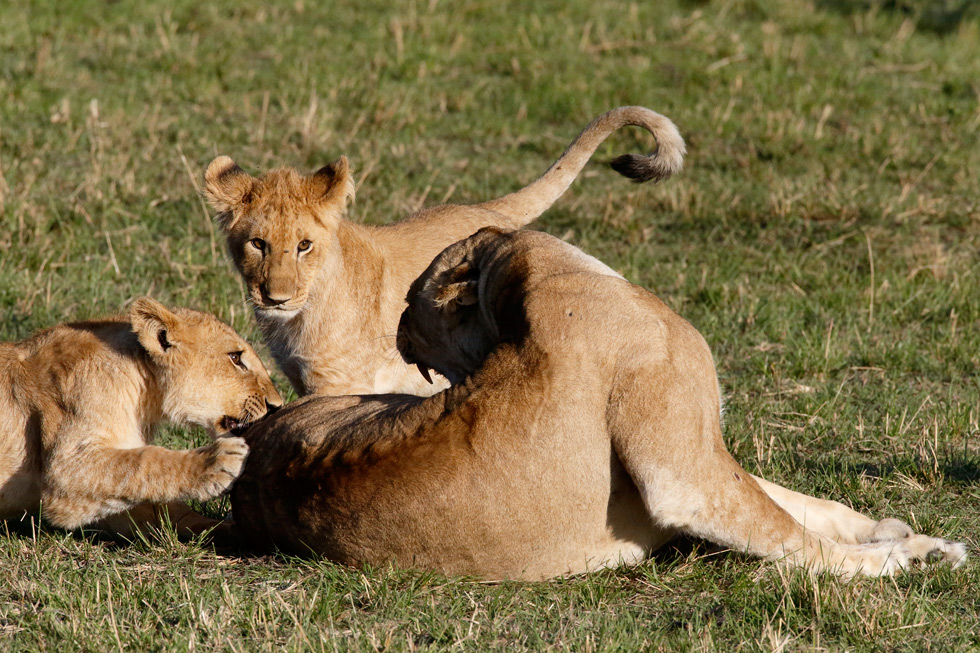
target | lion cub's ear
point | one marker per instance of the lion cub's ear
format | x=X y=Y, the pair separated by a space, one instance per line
x=154 y=325
x=460 y=290
x=332 y=184
x=226 y=187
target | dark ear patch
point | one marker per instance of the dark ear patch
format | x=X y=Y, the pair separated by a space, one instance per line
x=154 y=325
x=332 y=184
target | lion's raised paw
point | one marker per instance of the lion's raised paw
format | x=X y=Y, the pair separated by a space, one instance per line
x=224 y=460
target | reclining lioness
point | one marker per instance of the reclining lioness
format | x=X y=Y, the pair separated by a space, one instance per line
x=327 y=293
x=582 y=430
x=79 y=404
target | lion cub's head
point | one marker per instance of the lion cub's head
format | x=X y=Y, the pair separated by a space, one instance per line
x=208 y=375
x=465 y=304
x=280 y=227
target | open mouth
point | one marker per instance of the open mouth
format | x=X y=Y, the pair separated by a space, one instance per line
x=233 y=426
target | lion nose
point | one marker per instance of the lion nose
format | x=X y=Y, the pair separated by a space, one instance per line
x=272 y=297
x=271 y=408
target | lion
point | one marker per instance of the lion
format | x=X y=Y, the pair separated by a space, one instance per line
x=79 y=404
x=327 y=292
x=582 y=430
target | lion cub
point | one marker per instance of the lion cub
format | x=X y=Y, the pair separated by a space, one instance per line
x=328 y=292
x=79 y=404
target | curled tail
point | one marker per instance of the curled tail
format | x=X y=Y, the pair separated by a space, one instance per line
x=525 y=205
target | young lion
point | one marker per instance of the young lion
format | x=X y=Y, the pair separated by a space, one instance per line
x=79 y=403
x=582 y=430
x=327 y=293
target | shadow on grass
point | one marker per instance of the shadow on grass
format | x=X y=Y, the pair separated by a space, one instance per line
x=957 y=468
x=936 y=16
x=31 y=528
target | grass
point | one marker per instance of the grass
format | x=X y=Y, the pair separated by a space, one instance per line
x=823 y=237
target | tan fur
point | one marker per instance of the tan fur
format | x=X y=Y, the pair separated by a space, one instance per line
x=79 y=404
x=327 y=293
x=582 y=431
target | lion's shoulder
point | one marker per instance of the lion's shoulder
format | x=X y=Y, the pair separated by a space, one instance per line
x=56 y=361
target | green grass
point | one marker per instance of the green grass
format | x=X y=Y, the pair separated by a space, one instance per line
x=823 y=237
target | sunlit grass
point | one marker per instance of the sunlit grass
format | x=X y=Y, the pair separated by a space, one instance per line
x=823 y=237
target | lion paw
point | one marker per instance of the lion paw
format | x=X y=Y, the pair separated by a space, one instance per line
x=223 y=462
x=935 y=549
x=922 y=550
x=889 y=530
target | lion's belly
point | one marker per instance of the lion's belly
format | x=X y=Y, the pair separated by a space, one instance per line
x=537 y=506
x=544 y=530
x=20 y=472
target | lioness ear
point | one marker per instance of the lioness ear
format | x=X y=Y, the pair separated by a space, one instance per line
x=332 y=184
x=462 y=289
x=154 y=325
x=226 y=187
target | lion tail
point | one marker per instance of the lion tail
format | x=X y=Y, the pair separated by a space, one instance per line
x=525 y=205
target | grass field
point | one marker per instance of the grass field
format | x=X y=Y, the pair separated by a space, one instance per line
x=823 y=237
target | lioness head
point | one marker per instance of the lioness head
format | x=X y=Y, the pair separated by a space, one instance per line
x=280 y=227
x=466 y=303
x=208 y=375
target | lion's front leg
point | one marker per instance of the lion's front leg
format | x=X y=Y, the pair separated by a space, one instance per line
x=81 y=487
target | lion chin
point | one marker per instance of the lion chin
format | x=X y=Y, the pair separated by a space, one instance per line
x=276 y=313
x=584 y=432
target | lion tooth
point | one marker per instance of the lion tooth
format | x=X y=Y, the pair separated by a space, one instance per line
x=425 y=372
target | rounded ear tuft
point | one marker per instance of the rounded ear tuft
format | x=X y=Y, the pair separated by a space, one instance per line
x=454 y=295
x=226 y=187
x=154 y=325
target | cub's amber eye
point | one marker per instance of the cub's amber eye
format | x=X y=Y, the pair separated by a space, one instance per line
x=236 y=358
x=257 y=243
x=304 y=245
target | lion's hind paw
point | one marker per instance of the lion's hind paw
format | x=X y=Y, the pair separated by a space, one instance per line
x=943 y=551
x=889 y=530
x=928 y=550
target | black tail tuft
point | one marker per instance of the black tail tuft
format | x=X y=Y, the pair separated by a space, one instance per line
x=640 y=168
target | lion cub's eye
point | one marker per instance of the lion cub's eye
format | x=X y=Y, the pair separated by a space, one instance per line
x=258 y=244
x=304 y=245
x=236 y=358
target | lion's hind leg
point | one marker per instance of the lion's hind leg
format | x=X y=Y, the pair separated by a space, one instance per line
x=727 y=506
x=672 y=448
x=891 y=537
x=832 y=519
